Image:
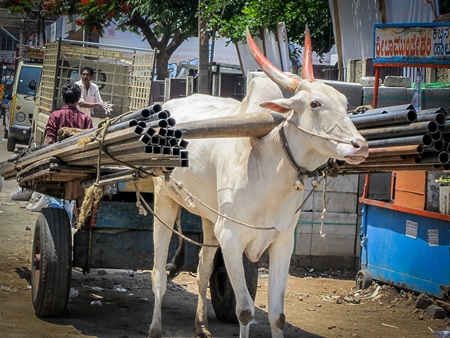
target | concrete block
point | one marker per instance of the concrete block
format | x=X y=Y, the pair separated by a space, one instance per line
x=432 y=97
x=369 y=81
x=344 y=202
x=387 y=96
x=303 y=234
x=332 y=245
x=336 y=224
x=352 y=91
x=435 y=98
x=397 y=81
x=347 y=183
x=306 y=219
x=307 y=204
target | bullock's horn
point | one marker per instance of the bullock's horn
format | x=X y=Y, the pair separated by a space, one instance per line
x=307 y=67
x=288 y=82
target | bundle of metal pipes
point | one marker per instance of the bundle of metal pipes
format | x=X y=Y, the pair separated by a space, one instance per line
x=401 y=138
x=145 y=138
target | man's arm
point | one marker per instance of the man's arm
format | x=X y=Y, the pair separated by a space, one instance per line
x=51 y=129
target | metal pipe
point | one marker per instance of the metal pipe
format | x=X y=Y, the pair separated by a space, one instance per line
x=436 y=136
x=426 y=140
x=436 y=158
x=438 y=117
x=385 y=119
x=384 y=110
x=400 y=130
x=246 y=125
x=396 y=150
x=439 y=145
x=141 y=114
x=438 y=110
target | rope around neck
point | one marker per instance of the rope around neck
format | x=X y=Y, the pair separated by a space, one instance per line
x=323 y=136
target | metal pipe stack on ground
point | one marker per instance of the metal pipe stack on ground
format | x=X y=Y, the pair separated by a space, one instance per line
x=401 y=138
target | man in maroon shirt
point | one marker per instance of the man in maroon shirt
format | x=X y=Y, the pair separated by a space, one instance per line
x=68 y=116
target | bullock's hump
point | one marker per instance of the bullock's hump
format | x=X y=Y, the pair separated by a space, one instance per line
x=200 y=107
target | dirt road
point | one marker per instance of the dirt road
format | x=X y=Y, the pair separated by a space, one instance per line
x=118 y=303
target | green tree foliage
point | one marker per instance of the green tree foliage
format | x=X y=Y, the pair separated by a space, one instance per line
x=231 y=17
x=165 y=24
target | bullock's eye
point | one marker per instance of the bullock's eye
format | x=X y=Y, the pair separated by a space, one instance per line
x=315 y=104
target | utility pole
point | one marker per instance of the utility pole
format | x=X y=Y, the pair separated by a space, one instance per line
x=203 y=54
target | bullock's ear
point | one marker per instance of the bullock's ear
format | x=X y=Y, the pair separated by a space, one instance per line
x=280 y=106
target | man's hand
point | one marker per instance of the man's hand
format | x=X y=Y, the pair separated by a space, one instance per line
x=107 y=106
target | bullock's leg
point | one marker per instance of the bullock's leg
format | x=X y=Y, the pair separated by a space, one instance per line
x=279 y=260
x=205 y=267
x=166 y=209
x=245 y=308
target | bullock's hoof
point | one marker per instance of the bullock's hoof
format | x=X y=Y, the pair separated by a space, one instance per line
x=155 y=333
x=202 y=332
x=245 y=317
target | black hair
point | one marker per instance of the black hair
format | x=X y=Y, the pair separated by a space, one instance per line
x=71 y=93
x=89 y=69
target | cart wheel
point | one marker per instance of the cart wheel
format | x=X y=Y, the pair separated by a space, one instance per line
x=363 y=279
x=222 y=294
x=51 y=263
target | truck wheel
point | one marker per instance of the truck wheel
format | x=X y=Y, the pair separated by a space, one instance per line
x=10 y=143
x=222 y=295
x=31 y=143
x=363 y=280
x=51 y=263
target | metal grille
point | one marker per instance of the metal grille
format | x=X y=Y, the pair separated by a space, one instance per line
x=124 y=84
x=140 y=81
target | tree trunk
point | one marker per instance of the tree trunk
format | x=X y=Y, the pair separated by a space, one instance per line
x=162 y=63
x=203 y=55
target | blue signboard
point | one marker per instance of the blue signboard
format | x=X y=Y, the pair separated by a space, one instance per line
x=415 y=43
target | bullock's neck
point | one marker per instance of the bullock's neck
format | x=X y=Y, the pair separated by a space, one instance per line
x=303 y=146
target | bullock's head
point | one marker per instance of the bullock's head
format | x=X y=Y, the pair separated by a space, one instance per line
x=321 y=109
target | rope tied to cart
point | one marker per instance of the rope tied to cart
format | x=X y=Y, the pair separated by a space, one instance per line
x=94 y=193
x=142 y=211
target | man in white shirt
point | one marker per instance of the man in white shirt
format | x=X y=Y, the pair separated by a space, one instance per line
x=90 y=94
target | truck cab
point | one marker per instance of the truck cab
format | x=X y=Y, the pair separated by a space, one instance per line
x=19 y=114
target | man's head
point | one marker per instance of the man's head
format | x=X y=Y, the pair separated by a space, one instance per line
x=87 y=72
x=71 y=93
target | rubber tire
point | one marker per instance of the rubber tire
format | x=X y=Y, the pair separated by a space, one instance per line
x=10 y=143
x=51 y=263
x=31 y=143
x=363 y=280
x=222 y=294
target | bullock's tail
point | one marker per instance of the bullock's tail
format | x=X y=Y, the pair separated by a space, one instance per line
x=174 y=267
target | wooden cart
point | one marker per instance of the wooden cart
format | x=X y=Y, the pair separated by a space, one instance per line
x=114 y=236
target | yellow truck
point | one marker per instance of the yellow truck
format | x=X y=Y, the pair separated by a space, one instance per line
x=19 y=113
x=123 y=74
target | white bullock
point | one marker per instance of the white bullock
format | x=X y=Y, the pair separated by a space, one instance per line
x=251 y=180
